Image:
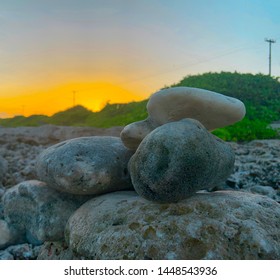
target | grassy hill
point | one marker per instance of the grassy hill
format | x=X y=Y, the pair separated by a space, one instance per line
x=260 y=93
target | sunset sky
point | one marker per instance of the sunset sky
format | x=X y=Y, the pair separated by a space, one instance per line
x=123 y=50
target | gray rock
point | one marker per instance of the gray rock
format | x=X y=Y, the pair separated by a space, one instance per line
x=177 y=159
x=1 y=209
x=218 y=225
x=56 y=251
x=5 y=234
x=3 y=167
x=20 y=252
x=4 y=255
x=257 y=164
x=38 y=213
x=212 y=109
x=51 y=134
x=21 y=146
x=21 y=158
x=86 y=165
x=2 y=190
x=264 y=190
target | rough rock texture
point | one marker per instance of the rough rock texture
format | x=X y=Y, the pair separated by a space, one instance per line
x=86 y=165
x=21 y=158
x=219 y=225
x=212 y=109
x=256 y=171
x=56 y=251
x=20 y=252
x=38 y=213
x=257 y=163
x=3 y=168
x=1 y=209
x=51 y=134
x=5 y=234
x=177 y=159
x=20 y=147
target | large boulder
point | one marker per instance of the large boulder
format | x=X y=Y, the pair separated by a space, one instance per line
x=177 y=159
x=86 y=165
x=212 y=109
x=218 y=225
x=38 y=213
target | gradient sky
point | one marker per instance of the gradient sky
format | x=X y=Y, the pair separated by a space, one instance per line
x=124 y=50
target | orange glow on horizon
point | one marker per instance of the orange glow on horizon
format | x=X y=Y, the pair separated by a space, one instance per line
x=92 y=95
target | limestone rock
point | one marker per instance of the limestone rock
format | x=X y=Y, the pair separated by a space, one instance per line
x=218 y=225
x=51 y=134
x=21 y=158
x=2 y=191
x=177 y=159
x=257 y=164
x=20 y=252
x=86 y=165
x=5 y=234
x=3 y=168
x=212 y=109
x=38 y=213
x=4 y=255
x=56 y=251
x=1 y=209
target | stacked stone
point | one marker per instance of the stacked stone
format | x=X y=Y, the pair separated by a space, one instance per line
x=70 y=173
x=176 y=154
x=135 y=197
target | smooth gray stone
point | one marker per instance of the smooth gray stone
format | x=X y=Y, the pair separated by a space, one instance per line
x=212 y=109
x=177 y=159
x=86 y=165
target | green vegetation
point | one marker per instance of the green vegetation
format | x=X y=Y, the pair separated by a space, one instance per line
x=34 y=120
x=75 y=116
x=118 y=114
x=260 y=93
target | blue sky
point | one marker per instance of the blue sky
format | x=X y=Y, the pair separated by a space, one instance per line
x=139 y=45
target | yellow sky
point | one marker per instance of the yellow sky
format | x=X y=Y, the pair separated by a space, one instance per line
x=47 y=101
x=121 y=50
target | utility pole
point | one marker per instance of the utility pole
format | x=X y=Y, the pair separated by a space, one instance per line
x=270 y=41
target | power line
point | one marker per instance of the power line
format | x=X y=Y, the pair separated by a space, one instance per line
x=188 y=65
x=270 y=41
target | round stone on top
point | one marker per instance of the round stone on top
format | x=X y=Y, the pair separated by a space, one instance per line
x=213 y=110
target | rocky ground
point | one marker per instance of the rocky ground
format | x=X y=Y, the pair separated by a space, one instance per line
x=257 y=167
